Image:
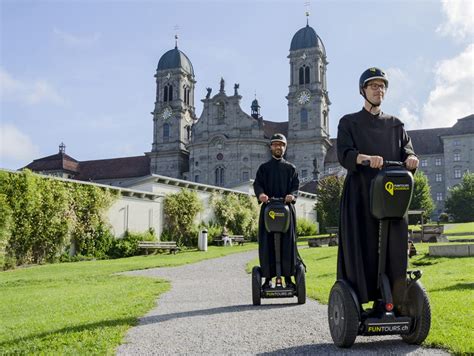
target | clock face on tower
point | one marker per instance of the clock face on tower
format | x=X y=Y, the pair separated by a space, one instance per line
x=303 y=97
x=166 y=113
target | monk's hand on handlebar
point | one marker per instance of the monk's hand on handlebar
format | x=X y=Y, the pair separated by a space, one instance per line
x=373 y=162
x=263 y=198
x=411 y=162
x=289 y=198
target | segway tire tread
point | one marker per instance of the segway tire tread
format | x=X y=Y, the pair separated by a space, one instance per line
x=256 y=285
x=343 y=316
x=301 y=285
x=422 y=318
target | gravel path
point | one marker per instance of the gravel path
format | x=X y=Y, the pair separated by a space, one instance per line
x=209 y=311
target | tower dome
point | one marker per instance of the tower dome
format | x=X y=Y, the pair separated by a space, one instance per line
x=175 y=58
x=306 y=38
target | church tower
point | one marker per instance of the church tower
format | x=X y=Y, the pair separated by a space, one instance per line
x=308 y=103
x=173 y=115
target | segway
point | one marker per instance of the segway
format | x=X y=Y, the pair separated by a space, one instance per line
x=277 y=221
x=390 y=193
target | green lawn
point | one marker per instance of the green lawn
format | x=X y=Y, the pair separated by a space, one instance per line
x=467 y=228
x=83 y=307
x=449 y=283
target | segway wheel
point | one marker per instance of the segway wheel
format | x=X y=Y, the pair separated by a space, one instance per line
x=300 y=284
x=418 y=307
x=343 y=316
x=256 y=285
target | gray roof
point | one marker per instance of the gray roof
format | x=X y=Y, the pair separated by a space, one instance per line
x=175 y=58
x=424 y=141
x=306 y=38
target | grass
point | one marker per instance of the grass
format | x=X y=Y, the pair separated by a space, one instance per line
x=82 y=307
x=467 y=228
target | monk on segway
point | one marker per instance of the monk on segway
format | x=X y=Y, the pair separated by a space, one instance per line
x=276 y=188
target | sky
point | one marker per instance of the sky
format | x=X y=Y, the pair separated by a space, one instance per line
x=82 y=71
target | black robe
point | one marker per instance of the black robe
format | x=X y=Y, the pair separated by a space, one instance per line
x=277 y=178
x=385 y=136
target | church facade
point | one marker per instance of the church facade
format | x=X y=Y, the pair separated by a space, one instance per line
x=225 y=145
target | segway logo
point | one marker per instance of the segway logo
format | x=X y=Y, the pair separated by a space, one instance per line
x=390 y=187
x=386 y=328
x=274 y=214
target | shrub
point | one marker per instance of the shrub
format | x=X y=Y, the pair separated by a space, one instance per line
x=460 y=198
x=421 y=199
x=127 y=246
x=305 y=227
x=443 y=218
x=329 y=191
x=42 y=215
x=238 y=212
x=180 y=210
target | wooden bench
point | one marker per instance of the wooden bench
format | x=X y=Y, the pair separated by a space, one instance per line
x=333 y=232
x=158 y=245
x=239 y=239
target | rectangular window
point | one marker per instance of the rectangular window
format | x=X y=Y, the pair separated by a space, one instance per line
x=457 y=173
x=245 y=176
x=457 y=157
x=330 y=170
x=439 y=177
x=438 y=162
x=196 y=178
x=439 y=196
x=457 y=143
x=424 y=162
x=304 y=173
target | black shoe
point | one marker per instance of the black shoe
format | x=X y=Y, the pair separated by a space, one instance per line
x=267 y=284
x=289 y=283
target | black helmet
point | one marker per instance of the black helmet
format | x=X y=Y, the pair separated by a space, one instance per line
x=371 y=74
x=278 y=137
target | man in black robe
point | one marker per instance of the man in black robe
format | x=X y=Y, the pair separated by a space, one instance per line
x=370 y=135
x=277 y=178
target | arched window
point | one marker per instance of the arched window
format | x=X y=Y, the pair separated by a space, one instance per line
x=304 y=118
x=301 y=75
x=166 y=132
x=187 y=97
x=168 y=93
x=219 y=176
x=306 y=75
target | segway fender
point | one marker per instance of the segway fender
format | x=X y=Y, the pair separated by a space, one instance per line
x=353 y=294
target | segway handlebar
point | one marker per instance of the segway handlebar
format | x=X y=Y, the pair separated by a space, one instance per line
x=366 y=163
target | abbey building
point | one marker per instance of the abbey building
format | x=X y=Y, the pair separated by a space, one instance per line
x=224 y=146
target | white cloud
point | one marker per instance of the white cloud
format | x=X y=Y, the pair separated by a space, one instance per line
x=76 y=41
x=16 y=145
x=453 y=96
x=37 y=92
x=459 y=21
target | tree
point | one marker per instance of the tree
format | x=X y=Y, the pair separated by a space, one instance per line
x=238 y=212
x=421 y=199
x=180 y=210
x=329 y=191
x=460 y=201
